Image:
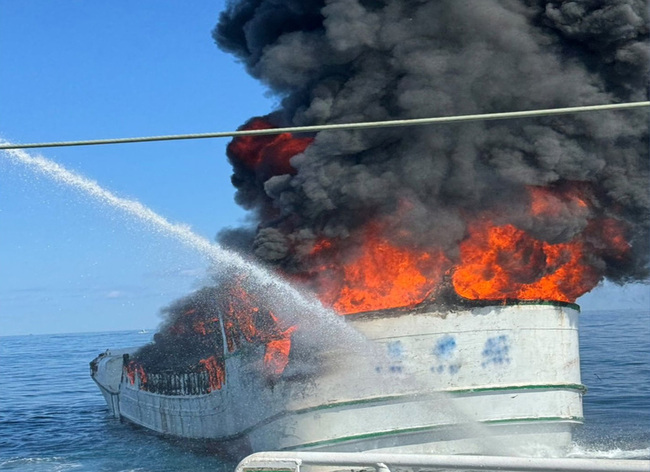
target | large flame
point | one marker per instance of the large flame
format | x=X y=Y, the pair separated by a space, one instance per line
x=504 y=262
x=499 y=262
x=493 y=262
x=379 y=274
x=496 y=262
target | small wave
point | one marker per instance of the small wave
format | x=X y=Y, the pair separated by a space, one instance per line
x=616 y=453
x=39 y=464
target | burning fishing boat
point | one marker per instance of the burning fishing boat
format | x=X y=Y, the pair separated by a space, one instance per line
x=468 y=351
x=457 y=252
x=469 y=347
x=462 y=357
x=482 y=379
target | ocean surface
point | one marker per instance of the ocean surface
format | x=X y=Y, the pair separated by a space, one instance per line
x=53 y=417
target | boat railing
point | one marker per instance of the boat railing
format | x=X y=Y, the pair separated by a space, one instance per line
x=178 y=383
x=383 y=462
x=174 y=383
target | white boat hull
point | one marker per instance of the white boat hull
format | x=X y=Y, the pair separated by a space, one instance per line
x=485 y=380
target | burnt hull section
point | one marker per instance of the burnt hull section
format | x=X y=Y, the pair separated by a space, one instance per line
x=482 y=380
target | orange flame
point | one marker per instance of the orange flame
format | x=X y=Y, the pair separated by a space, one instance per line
x=240 y=316
x=499 y=262
x=268 y=153
x=495 y=262
x=132 y=369
x=216 y=372
x=245 y=317
x=206 y=327
x=380 y=275
x=276 y=356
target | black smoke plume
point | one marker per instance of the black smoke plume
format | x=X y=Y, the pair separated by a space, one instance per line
x=338 y=61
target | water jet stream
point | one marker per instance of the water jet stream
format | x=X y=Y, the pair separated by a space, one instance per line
x=309 y=312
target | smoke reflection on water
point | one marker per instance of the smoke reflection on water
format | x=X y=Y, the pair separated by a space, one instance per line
x=290 y=304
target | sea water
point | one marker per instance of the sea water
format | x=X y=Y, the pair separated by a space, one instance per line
x=53 y=417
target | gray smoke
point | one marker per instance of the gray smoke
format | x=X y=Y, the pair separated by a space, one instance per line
x=337 y=61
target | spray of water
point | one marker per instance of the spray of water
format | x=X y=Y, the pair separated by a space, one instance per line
x=295 y=303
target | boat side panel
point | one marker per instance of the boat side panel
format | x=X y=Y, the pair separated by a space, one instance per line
x=243 y=401
x=423 y=414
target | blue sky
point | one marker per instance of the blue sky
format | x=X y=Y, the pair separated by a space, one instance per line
x=86 y=70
